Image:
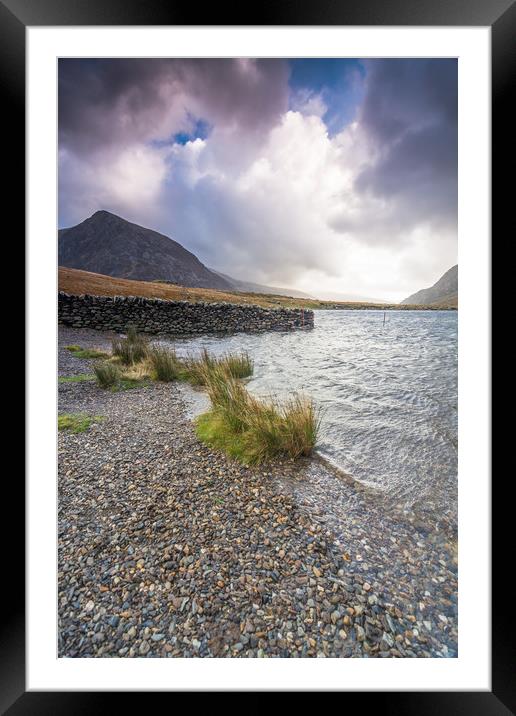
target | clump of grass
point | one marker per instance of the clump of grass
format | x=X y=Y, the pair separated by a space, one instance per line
x=131 y=349
x=108 y=375
x=238 y=365
x=76 y=378
x=301 y=422
x=197 y=369
x=142 y=370
x=228 y=397
x=194 y=369
x=165 y=364
x=252 y=430
x=287 y=430
x=76 y=422
x=79 y=352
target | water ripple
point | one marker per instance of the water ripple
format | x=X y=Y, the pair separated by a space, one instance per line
x=388 y=395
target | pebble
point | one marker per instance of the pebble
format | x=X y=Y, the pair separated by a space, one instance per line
x=144 y=648
x=169 y=549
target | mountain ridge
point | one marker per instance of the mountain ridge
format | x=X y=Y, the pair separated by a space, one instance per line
x=445 y=291
x=251 y=287
x=110 y=245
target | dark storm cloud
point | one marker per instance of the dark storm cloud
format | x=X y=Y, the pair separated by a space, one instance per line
x=106 y=102
x=409 y=115
x=354 y=188
x=96 y=95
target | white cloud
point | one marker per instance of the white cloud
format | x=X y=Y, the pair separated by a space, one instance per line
x=274 y=221
x=275 y=204
x=128 y=180
x=309 y=103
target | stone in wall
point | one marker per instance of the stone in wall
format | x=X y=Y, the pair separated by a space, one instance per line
x=154 y=315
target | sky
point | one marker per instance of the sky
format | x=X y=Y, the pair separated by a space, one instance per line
x=331 y=176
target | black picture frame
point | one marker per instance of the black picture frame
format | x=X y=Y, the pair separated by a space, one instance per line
x=500 y=15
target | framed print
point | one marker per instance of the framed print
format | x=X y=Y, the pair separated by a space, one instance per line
x=258 y=289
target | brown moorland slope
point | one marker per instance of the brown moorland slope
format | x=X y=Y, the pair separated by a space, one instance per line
x=77 y=282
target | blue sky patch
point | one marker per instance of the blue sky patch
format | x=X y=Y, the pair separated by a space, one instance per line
x=339 y=82
x=200 y=129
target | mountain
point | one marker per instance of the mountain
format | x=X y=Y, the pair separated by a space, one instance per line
x=444 y=292
x=107 y=244
x=249 y=287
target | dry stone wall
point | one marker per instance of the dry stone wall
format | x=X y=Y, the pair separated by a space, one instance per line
x=154 y=315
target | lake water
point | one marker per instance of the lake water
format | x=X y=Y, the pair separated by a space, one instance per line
x=388 y=395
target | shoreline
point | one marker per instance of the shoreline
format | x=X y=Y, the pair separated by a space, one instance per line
x=197 y=402
x=229 y=561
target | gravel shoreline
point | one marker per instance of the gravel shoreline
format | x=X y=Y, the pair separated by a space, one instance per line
x=168 y=549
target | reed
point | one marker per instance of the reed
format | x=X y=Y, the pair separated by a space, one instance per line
x=165 y=364
x=253 y=430
x=196 y=369
x=131 y=349
x=107 y=374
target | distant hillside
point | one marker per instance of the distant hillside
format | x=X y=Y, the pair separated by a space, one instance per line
x=444 y=292
x=109 y=245
x=78 y=282
x=248 y=286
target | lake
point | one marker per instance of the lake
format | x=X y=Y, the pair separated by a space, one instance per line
x=387 y=394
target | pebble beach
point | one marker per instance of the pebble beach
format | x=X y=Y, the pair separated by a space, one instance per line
x=169 y=549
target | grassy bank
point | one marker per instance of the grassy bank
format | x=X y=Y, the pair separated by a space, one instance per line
x=243 y=426
x=77 y=282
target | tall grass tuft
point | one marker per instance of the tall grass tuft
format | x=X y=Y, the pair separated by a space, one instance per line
x=141 y=371
x=165 y=364
x=301 y=422
x=197 y=369
x=131 y=349
x=228 y=397
x=254 y=430
x=107 y=374
x=238 y=365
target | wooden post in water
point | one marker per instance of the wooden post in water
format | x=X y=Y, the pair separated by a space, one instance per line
x=384 y=318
